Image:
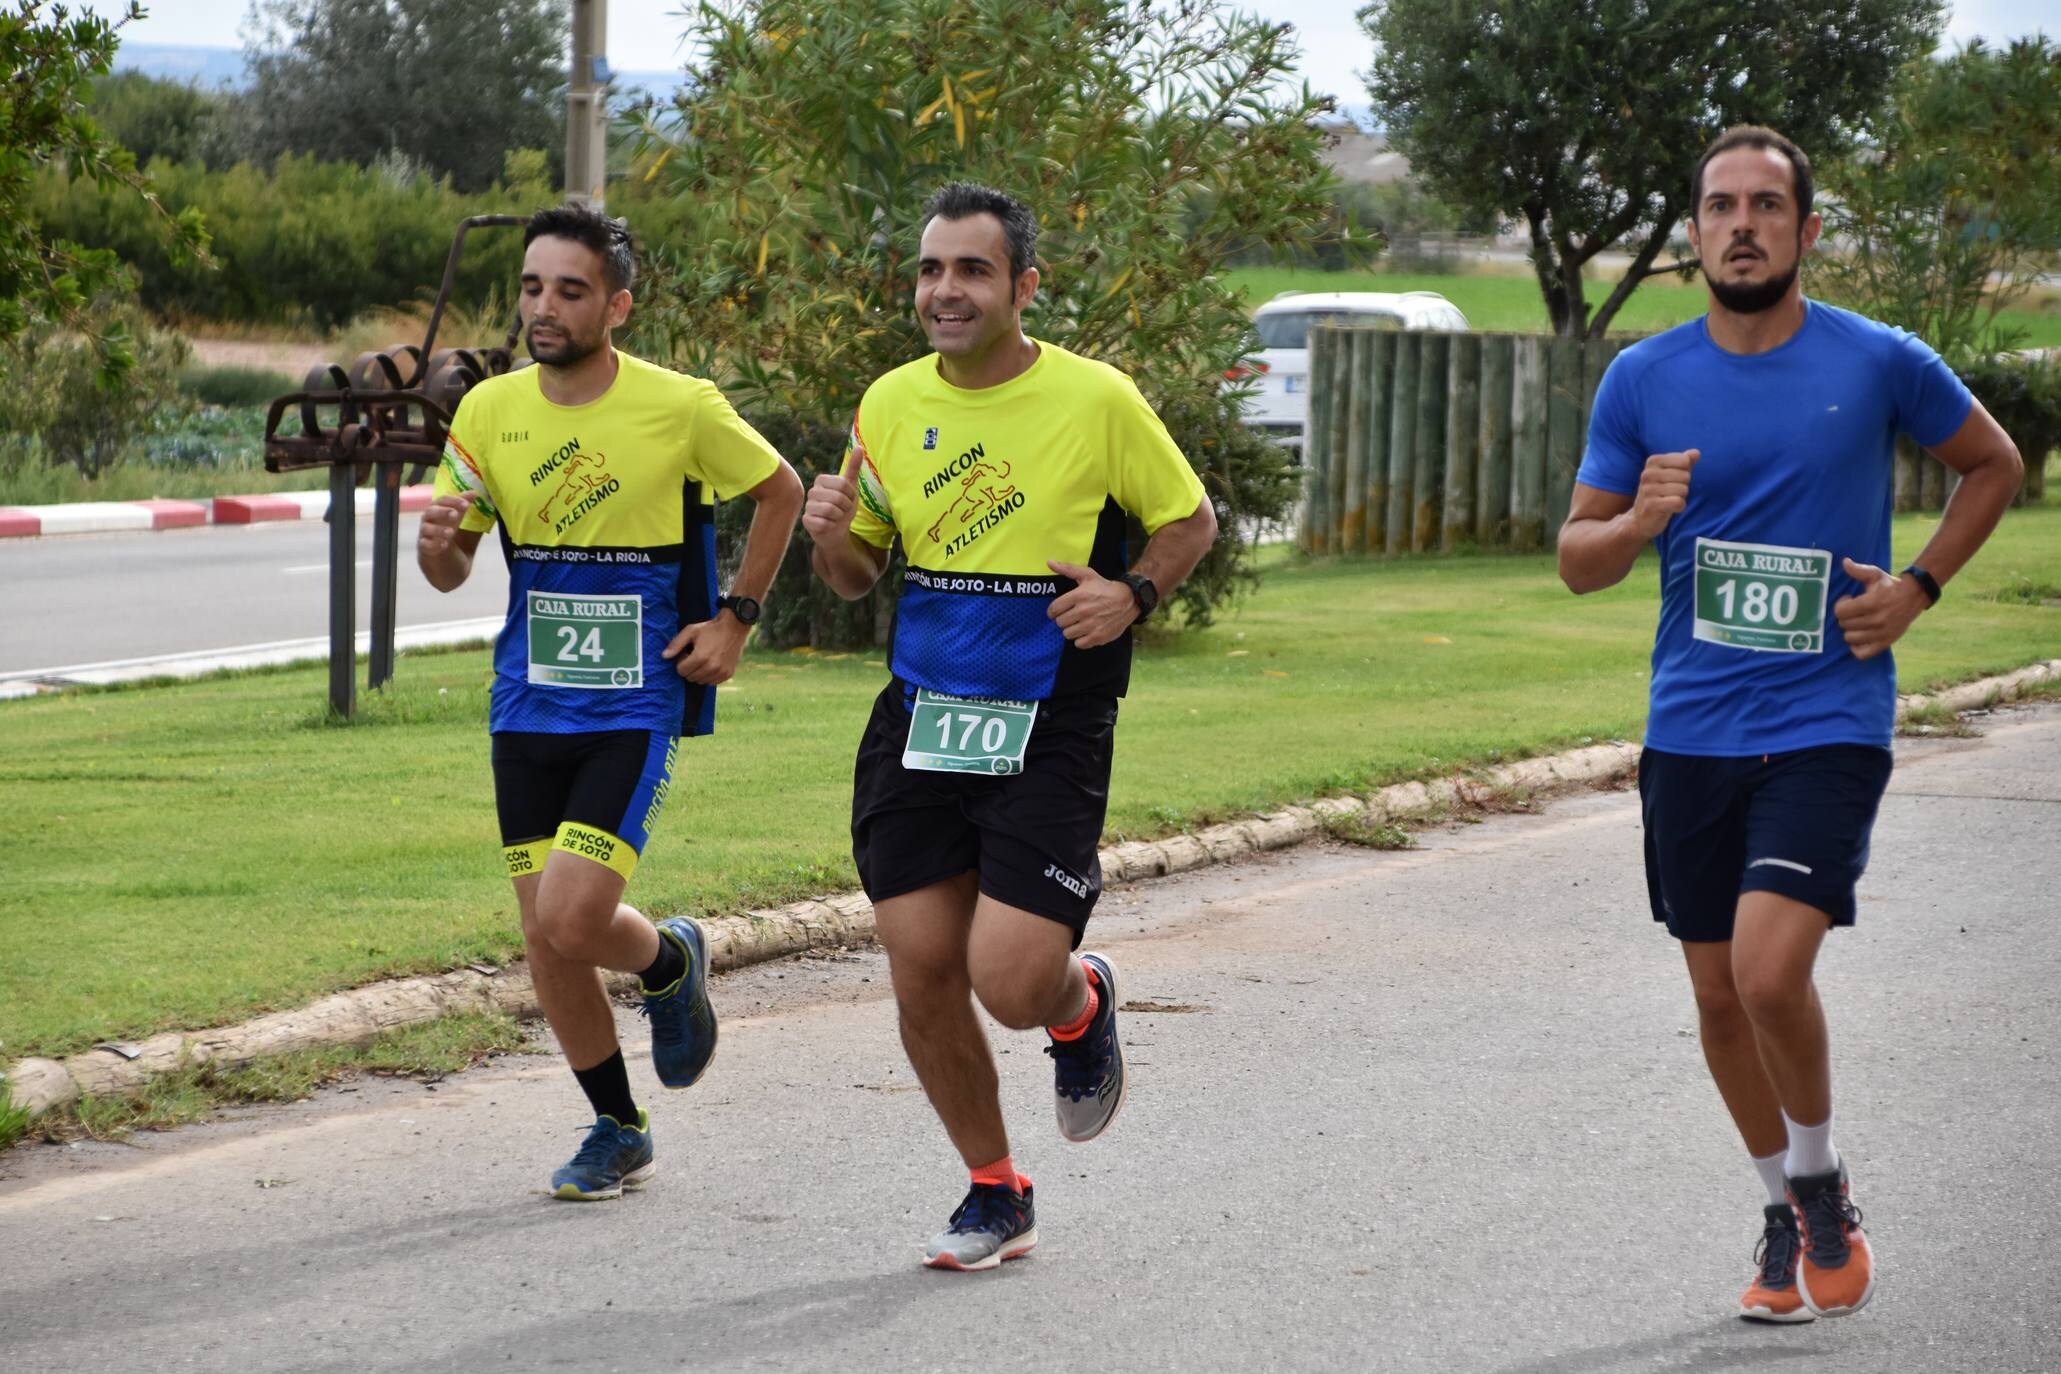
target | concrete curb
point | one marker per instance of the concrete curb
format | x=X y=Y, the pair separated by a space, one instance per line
x=358 y=1016
x=103 y=517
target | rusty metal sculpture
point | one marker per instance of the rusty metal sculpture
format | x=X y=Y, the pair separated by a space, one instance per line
x=386 y=413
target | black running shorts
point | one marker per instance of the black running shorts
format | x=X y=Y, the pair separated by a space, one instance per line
x=595 y=794
x=1032 y=836
x=1796 y=824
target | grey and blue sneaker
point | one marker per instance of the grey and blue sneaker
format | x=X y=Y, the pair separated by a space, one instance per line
x=993 y=1224
x=612 y=1157
x=1088 y=1073
x=683 y=1024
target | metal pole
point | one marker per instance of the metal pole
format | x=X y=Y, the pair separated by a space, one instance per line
x=343 y=590
x=586 y=106
x=386 y=539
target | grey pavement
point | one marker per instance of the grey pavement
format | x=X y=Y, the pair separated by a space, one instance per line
x=97 y=599
x=1441 y=1109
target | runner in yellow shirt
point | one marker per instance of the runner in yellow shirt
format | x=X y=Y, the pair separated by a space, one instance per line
x=1005 y=467
x=601 y=471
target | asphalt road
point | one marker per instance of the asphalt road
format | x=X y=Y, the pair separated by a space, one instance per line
x=1439 y=1110
x=91 y=598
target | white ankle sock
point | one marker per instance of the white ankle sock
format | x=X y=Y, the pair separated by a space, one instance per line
x=1810 y=1148
x=1770 y=1168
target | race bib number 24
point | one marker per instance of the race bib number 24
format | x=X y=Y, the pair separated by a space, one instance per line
x=591 y=642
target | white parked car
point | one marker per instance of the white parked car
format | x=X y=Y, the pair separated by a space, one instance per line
x=1280 y=404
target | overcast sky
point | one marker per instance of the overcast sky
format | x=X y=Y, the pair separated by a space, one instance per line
x=644 y=35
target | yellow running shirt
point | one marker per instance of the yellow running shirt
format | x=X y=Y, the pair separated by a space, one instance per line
x=983 y=488
x=607 y=517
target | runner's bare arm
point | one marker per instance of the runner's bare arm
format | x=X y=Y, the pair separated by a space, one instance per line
x=707 y=651
x=442 y=550
x=1991 y=471
x=1605 y=531
x=1097 y=610
x=847 y=564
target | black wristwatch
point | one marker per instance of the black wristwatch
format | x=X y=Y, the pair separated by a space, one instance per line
x=1927 y=583
x=1142 y=590
x=743 y=607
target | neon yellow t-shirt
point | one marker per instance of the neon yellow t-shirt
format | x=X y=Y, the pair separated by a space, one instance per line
x=983 y=488
x=607 y=516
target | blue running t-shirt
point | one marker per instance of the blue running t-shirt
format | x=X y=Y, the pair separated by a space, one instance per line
x=1796 y=474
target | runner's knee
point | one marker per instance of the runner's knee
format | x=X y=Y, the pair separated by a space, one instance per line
x=1769 y=992
x=1020 y=997
x=573 y=929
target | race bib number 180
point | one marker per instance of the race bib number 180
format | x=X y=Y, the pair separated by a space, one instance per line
x=590 y=642
x=1761 y=596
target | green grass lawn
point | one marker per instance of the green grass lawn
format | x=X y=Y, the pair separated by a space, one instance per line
x=186 y=855
x=1507 y=303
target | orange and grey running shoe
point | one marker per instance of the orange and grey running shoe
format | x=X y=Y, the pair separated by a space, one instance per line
x=1773 y=1296
x=993 y=1224
x=1837 y=1276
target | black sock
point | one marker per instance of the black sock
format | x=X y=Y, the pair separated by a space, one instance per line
x=666 y=968
x=607 y=1086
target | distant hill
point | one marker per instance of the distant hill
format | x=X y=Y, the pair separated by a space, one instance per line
x=204 y=67
x=212 y=67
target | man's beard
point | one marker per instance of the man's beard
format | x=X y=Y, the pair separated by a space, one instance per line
x=1754 y=298
x=565 y=354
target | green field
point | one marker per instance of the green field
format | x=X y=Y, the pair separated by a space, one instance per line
x=186 y=855
x=1506 y=303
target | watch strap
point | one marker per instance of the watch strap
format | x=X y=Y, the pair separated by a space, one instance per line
x=1144 y=591
x=1927 y=583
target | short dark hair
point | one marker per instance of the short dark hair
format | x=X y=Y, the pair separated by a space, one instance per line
x=964 y=199
x=1755 y=136
x=608 y=238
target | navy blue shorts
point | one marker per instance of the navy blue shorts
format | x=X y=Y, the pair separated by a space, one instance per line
x=1795 y=824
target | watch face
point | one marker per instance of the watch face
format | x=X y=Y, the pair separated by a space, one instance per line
x=744 y=608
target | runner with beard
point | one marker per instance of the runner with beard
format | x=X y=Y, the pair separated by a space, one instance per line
x=602 y=472
x=1754 y=449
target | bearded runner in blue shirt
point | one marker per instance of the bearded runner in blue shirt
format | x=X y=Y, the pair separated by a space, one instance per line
x=1754 y=448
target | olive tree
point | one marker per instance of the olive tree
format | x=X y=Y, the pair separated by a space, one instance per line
x=796 y=162
x=1583 y=119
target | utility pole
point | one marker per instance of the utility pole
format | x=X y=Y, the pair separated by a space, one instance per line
x=586 y=106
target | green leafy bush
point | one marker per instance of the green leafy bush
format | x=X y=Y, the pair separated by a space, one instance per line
x=798 y=160
x=305 y=242
x=59 y=407
x=2023 y=392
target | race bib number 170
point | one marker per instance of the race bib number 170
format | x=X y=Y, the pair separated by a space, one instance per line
x=1761 y=596
x=967 y=734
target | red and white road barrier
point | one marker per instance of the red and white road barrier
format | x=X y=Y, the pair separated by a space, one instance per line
x=100 y=517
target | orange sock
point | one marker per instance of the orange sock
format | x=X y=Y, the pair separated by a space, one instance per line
x=1001 y=1174
x=1076 y=1028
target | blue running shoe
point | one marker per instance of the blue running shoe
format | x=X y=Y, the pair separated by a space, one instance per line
x=683 y=1024
x=1088 y=1073
x=612 y=1157
x=993 y=1224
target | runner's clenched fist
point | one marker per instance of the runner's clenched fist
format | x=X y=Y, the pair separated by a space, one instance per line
x=1663 y=490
